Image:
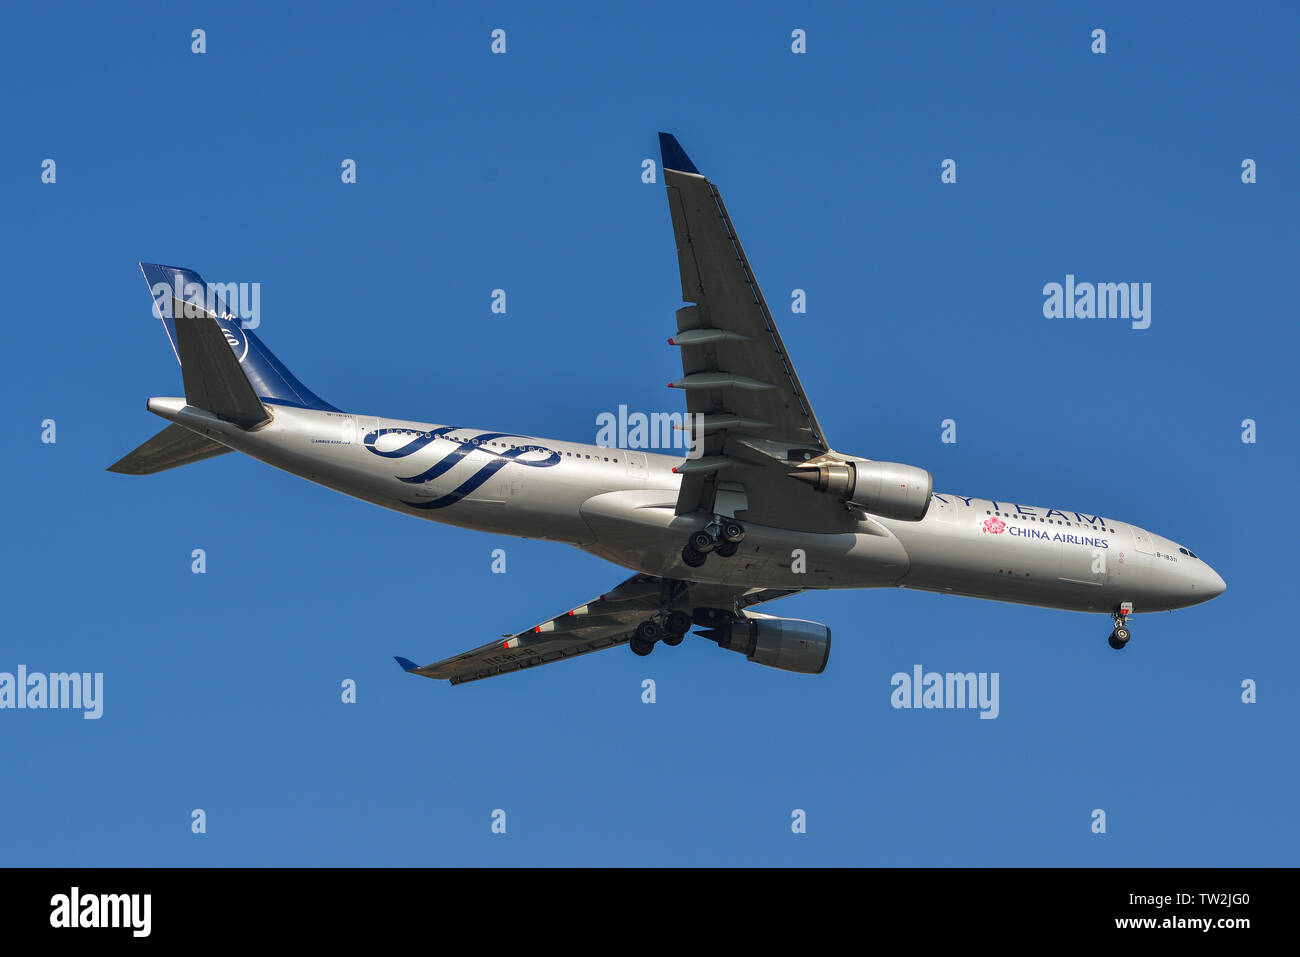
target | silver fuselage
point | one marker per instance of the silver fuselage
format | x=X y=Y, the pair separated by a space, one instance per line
x=620 y=504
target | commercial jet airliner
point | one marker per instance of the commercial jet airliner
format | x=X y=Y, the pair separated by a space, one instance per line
x=763 y=507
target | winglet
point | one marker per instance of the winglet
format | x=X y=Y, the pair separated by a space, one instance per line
x=406 y=663
x=673 y=156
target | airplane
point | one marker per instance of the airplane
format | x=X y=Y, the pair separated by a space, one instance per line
x=761 y=508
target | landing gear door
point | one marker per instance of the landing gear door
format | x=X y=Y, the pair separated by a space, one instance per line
x=730 y=500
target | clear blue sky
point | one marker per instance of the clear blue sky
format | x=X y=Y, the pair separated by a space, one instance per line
x=522 y=171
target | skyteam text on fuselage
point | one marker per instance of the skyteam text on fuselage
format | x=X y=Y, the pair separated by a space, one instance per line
x=762 y=507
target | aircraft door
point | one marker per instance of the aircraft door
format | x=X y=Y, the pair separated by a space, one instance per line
x=943 y=509
x=636 y=465
x=1142 y=541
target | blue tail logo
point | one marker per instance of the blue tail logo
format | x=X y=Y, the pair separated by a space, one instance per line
x=462 y=449
x=236 y=339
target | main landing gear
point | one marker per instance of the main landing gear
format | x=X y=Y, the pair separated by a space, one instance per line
x=671 y=629
x=722 y=536
x=1120 y=636
x=666 y=625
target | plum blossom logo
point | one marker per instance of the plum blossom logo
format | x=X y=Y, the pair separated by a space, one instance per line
x=994 y=526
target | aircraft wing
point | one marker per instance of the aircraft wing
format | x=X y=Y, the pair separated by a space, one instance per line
x=603 y=622
x=757 y=420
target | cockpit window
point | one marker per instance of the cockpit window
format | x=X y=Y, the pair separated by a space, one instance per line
x=1188 y=552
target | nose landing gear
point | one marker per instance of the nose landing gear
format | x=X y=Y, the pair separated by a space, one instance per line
x=1120 y=636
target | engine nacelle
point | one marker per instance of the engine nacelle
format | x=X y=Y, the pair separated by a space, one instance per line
x=882 y=488
x=790 y=644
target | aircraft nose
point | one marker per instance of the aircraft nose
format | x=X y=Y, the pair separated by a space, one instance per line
x=1217 y=586
x=1206 y=583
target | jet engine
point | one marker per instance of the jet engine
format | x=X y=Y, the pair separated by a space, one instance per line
x=790 y=644
x=882 y=488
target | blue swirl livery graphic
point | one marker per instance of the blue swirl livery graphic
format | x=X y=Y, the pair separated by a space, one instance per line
x=461 y=450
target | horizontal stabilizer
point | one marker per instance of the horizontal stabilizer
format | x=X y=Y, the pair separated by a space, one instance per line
x=214 y=380
x=173 y=446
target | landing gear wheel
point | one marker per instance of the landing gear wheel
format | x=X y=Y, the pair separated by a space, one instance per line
x=693 y=558
x=640 y=647
x=678 y=623
x=701 y=542
x=648 y=632
x=727 y=550
x=1119 y=638
x=733 y=532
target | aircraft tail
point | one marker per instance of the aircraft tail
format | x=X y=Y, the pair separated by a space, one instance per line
x=271 y=381
x=226 y=369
